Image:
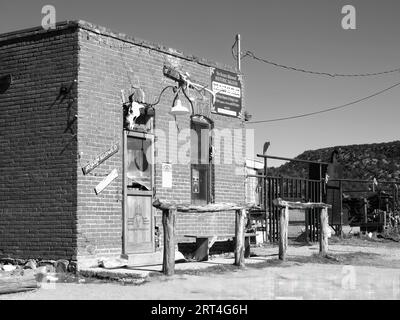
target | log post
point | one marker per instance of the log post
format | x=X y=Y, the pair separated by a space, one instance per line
x=283 y=232
x=323 y=238
x=168 y=220
x=239 y=236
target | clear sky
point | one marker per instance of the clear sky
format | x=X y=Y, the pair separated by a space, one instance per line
x=306 y=34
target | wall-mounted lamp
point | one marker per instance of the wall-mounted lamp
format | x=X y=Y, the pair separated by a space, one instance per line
x=178 y=108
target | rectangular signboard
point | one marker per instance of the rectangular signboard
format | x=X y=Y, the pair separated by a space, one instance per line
x=100 y=159
x=228 y=89
x=106 y=181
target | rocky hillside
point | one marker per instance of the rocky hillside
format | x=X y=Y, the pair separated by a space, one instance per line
x=364 y=161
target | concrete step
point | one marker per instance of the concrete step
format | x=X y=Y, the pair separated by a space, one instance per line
x=149 y=259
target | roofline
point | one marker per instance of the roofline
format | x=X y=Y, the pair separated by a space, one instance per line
x=68 y=24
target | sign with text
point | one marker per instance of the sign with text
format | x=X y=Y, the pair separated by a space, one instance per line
x=228 y=89
x=100 y=159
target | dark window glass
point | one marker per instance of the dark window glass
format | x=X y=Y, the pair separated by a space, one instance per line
x=200 y=163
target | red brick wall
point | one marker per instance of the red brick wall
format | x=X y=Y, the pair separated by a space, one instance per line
x=37 y=178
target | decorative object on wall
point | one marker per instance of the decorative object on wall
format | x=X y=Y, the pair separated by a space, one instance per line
x=5 y=82
x=166 y=169
x=100 y=159
x=185 y=83
x=136 y=112
x=106 y=181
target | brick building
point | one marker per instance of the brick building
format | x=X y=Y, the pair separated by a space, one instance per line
x=76 y=180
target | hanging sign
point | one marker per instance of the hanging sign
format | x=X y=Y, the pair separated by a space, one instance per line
x=228 y=89
x=100 y=159
x=106 y=181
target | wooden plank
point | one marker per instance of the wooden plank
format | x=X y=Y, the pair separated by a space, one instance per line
x=299 y=205
x=106 y=181
x=202 y=249
x=168 y=221
x=211 y=207
x=100 y=159
x=13 y=284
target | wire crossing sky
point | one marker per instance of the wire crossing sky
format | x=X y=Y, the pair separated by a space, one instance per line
x=328 y=109
x=295 y=35
x=253 y=56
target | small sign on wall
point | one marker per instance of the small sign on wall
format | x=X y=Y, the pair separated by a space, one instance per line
x=166 y=169
x=106 y=181
x=100 y=159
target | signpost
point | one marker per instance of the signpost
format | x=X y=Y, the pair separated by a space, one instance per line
x=228 y=89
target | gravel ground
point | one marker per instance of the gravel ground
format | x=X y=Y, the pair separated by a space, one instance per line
x=360 y=269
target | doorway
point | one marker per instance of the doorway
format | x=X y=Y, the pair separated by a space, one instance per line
x=138 y=219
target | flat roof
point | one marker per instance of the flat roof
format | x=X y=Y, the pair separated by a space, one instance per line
x=14 y=36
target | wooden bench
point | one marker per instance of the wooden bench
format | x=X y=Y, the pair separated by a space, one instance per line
x=205 y=242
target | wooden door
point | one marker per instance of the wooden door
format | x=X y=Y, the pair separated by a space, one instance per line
x=138 y=193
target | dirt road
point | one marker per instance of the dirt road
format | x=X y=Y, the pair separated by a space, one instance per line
x=359 y=271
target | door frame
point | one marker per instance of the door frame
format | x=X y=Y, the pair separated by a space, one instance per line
x=125 y=193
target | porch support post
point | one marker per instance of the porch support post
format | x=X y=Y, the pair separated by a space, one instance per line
x=168 y=220
x=283 y=232
x=323 y=239
x=239 y=236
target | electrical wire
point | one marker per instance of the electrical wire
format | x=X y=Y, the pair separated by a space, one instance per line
x=159 y=97
x=253 y=56
x=328 y=109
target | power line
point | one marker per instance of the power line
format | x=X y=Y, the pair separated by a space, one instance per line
x=328 y=109
x=253 y=56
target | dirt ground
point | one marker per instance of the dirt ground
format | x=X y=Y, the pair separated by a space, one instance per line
x=356 y=269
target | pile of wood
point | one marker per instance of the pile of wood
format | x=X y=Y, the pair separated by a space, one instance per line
x=12 y=282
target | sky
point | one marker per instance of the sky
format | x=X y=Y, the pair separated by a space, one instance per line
x=300 y=33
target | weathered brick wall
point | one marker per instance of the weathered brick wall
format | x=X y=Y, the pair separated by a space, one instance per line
x=48 y=208
x=37 y=166
x=108 y=64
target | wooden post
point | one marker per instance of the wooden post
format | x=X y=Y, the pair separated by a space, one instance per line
x=365 y=213
x=283 y=232
x=168 y=220
x=323 y=237
x=239 y=236
x=340 y=231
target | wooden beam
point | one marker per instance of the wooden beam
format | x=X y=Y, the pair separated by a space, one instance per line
x=13 y=284
x=300 y=205
x=211 y=207
x=283 y=232
x=239 y=235
x=168 y=220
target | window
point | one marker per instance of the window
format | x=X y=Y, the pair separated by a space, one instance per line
x=138 y=171
x=201 y=173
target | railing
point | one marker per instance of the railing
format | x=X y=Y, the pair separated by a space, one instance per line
x=293 y=189
x=290 y=189
x=284 y=207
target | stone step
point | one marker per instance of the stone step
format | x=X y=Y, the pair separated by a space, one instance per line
x=148 y=259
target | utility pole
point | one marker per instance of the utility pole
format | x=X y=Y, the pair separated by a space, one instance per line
x=238 y=52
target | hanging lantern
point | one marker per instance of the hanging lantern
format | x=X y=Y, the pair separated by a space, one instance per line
x=178 y=108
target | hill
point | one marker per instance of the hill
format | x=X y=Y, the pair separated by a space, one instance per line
x=364 y=161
